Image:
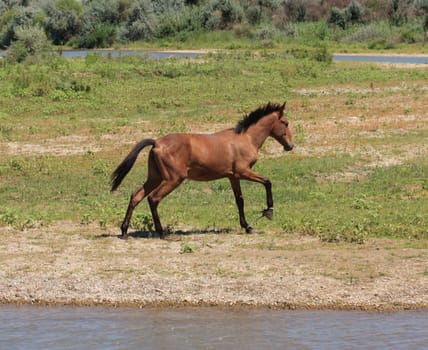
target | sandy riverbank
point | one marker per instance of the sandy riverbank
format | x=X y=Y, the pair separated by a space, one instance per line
x=83 y=265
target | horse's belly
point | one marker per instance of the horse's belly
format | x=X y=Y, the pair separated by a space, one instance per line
x=204 y=174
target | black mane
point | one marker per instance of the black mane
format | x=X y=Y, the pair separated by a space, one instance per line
x=256 y=115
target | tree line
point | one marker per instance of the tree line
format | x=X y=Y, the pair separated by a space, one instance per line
x=30 y=25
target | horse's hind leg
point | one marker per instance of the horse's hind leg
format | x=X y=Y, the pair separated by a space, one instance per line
x=165 y=188
x=136 y=198
x=236 y=186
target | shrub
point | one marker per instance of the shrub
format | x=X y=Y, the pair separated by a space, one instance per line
x=321 y=54
x=422 y=6
x=398 y=12
x=64 y=20
x=254 y=14
x=101 y=20
x=338 y=17
x=141 y=23
x=295 y=10
x=410 y=33
x=221 y=14
x=101 y=35
x=355 y=12
x=17 y=52
x=15 y=18
x=30 y=41
x=266 y=35
x=367 y=33
x=178 y=22
x=162 y=7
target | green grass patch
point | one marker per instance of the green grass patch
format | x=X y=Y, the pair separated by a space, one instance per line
x=99 y=96
x=391 y=202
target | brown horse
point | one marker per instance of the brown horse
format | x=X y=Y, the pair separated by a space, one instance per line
x=229 y=153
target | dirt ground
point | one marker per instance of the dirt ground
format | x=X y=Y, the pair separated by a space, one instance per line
x=88 y=266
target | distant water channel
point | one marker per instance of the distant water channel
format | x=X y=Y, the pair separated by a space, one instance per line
x=383 y=58
x=414 y=59
x=123 y=53
x=32 y=327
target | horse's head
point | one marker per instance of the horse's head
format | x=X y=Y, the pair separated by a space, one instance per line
x=280 y=130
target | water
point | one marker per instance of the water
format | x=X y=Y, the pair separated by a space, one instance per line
x=384 y=59
x=169 y=54
x=52 y=328
x=122 y=53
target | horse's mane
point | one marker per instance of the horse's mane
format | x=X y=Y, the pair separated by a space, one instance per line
x=256 y=115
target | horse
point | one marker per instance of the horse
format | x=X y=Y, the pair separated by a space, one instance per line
x=229 y=153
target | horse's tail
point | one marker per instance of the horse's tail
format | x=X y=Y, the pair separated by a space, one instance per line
x=126 y=165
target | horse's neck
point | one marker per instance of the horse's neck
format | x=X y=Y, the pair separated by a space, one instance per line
x=260 y=131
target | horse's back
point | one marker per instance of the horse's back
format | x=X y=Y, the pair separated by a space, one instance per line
x=199 y=157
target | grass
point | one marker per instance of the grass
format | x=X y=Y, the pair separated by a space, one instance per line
x=74 y=120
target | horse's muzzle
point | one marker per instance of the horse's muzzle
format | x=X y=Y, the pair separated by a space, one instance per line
x=288 y=147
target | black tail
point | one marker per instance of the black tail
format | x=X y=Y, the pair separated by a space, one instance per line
x=126 y=165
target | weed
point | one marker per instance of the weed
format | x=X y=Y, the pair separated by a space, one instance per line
x=187 y=247
x=142 y=222
x=300 y=134
x=9 y=218
x=101 y=167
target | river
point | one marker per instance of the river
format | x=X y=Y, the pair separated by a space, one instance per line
x=383 y=58
x=407 y=59
x=35 y=327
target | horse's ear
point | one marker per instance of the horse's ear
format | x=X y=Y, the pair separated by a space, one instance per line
x=283 y=105
x=282 y=108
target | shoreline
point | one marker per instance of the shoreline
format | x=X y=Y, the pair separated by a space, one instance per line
x=69 y=264
x=228 y=306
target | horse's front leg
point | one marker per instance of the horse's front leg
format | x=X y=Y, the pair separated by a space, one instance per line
x=252 y=176
x=236 y=186
x=268 y=213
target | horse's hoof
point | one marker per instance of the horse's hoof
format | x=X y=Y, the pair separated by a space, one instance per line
x=124 y=236
x=249 y=229
x=268 y=213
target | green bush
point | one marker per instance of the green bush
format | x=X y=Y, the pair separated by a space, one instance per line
x=16 y=18
x=17 y=52
x=141 y=23
x=64 y=20
x=355 y=12
x=103 y=35
x=30 y=41
x=221 y=14
x=368 y=33
x=338 y=17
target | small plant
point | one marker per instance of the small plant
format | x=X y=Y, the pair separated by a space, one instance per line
x=142 y=222
x=9 y=218
x=86 y=219
x=187 y=247
x=101 y=167
x=300 y=134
